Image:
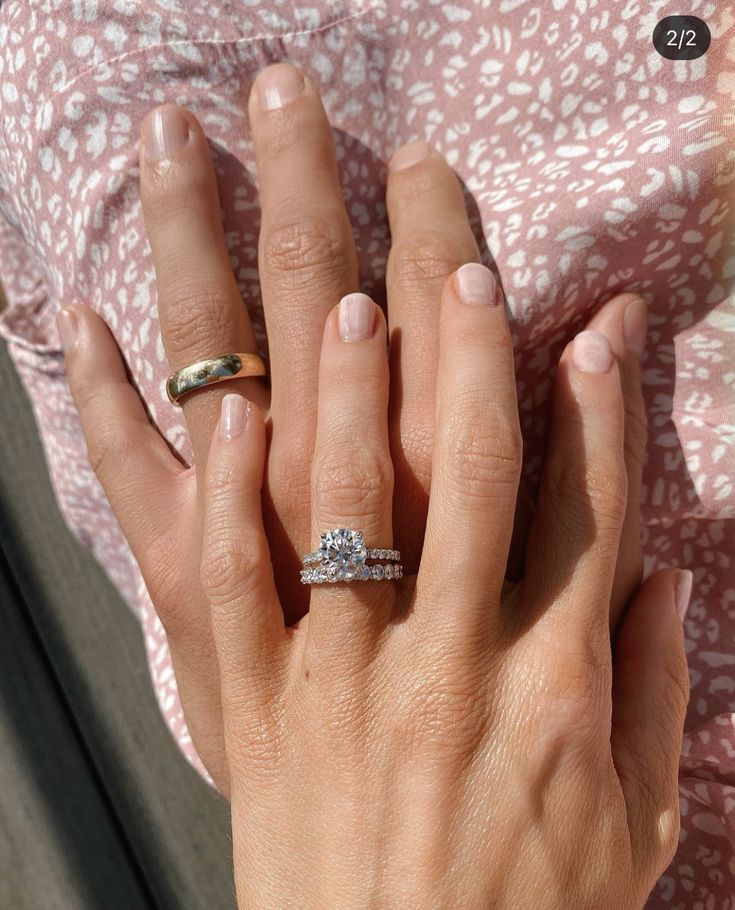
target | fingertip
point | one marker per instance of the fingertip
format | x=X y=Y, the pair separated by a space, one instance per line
x=591 y=352
x=67 y=324
x=357 y=317
x=473 y=283
x=240 y=421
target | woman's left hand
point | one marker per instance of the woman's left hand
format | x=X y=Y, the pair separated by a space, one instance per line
x=439 y=740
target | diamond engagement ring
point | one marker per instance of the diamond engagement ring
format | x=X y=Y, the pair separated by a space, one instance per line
x=341 y=557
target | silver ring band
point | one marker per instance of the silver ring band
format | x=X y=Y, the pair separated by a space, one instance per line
x=373 y=553
x=323 y=575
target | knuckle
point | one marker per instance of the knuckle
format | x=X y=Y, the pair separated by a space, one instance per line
x=198 y=317
x=175 y=192
x=354 y=484
x=291 y=490
x=222 y=480
x=234 y=569
x=419 y=259
x=583 y=494
x=669 y=831
x=313 y=249
x=575 y=689
x=417 y=445
x=110 y=454
x=482 y=454
x=607 y=488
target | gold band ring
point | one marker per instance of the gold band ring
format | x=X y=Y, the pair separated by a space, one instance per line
x=215 y=369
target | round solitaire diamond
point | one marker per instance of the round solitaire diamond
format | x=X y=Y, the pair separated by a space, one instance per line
x=343 y=553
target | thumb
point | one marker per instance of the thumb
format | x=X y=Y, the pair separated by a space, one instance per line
x=650 y=695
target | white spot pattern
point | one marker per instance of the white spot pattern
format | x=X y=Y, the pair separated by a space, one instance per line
x=594 y=166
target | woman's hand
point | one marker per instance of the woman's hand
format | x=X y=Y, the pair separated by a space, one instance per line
x=428 y=742
x=307 y=261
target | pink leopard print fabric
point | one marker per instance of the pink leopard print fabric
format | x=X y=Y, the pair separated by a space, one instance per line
x=592 y=165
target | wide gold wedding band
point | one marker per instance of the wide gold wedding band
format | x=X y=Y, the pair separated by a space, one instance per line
x=214 y=369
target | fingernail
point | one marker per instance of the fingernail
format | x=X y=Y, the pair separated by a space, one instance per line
x=476 y=284
x=409 y=154
x=165 y=131
x=68 y=325
x=635 y=325
x=233 y=416
x=591 y=352
x=684 y=579
x=356 y=317
x=279 y=85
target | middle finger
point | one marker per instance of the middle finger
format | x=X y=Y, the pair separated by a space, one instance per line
x=430 y=238
x=307 y=262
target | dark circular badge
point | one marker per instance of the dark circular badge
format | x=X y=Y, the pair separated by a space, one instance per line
x=681 y=37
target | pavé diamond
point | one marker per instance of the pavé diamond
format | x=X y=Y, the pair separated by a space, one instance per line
x=378 y=572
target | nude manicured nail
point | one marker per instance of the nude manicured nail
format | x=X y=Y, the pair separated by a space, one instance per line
x=279 y=85
x=409 y=154
x=165 y=132
x=476 y=284
x=68 y=326
x=233 y=416
x=635 y=325
x=356 y=317
x=683 y=590
x=591 y=352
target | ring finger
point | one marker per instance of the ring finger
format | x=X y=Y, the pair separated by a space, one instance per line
x=202 y=315
x=200 y=307
x=307 y=260
x=352 y=474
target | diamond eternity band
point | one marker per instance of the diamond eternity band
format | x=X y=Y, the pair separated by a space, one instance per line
x=341 y=557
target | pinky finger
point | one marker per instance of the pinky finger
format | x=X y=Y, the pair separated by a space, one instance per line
x=130 y=458
x=235 y=570
x=650 y=695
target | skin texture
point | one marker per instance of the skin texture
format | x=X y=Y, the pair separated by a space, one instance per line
x=201 y=312
x=436 y=741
